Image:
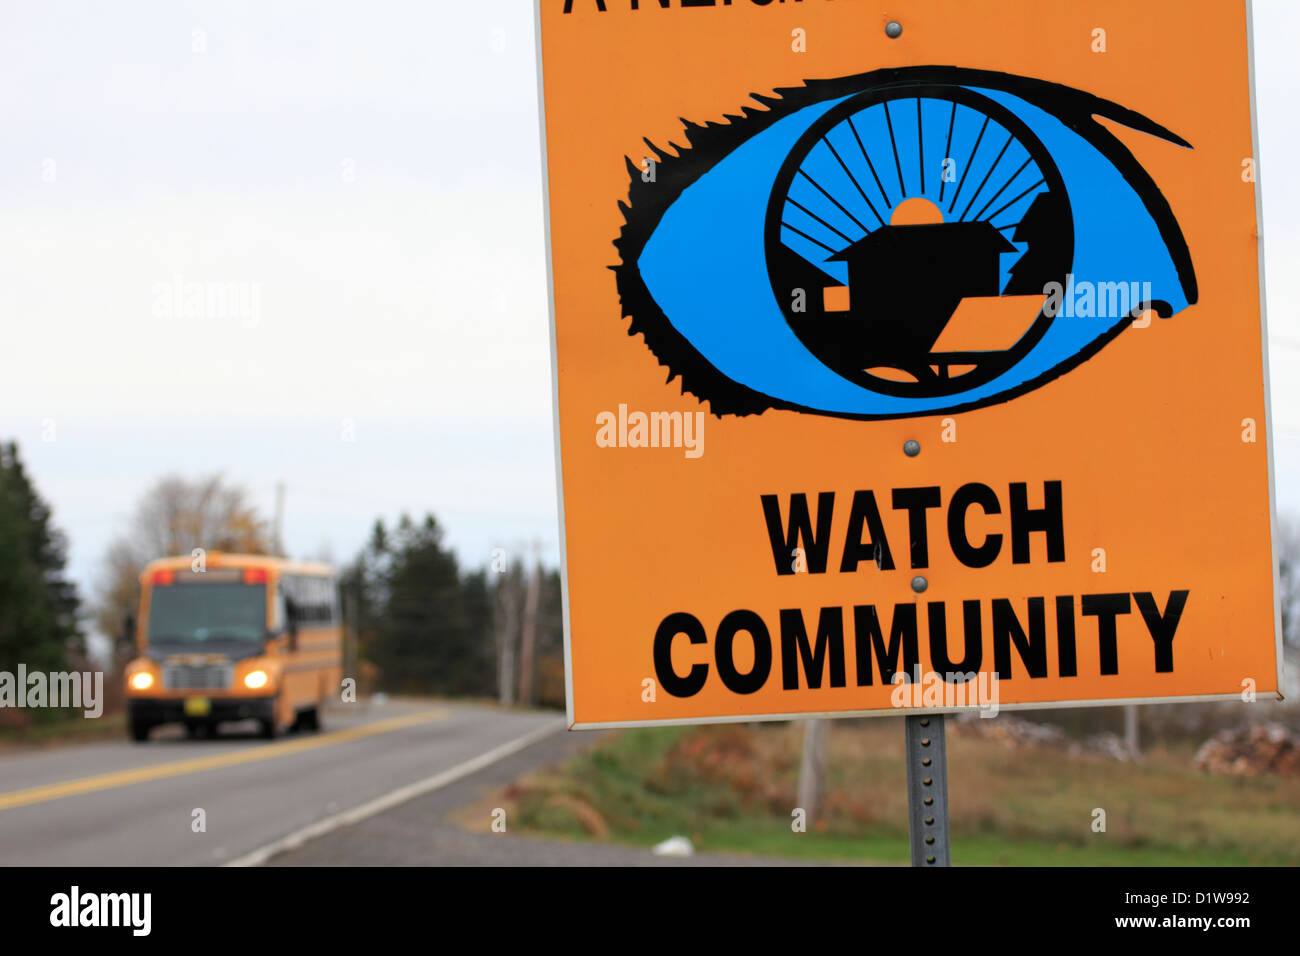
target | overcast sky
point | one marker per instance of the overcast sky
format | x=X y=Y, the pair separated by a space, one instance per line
x=370 y=175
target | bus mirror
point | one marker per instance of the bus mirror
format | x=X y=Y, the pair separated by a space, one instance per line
x=128 y=628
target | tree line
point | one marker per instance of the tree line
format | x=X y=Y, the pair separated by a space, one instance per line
x=417 y=620
x=426 y=625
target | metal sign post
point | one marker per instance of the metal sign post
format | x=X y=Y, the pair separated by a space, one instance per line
x=927 y=790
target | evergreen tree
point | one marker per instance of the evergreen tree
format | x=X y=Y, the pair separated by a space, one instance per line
x=38 y=606
x=428 y=634
x=429 y=627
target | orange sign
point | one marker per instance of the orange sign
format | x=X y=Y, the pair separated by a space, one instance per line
x=907 y=356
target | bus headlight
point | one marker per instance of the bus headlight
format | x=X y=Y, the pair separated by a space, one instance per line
x=255 y=679
x=142 y=681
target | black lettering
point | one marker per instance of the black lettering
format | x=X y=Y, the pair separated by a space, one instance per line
x=799 y=532
x=1105 y=607
x=1047 y=519
x=865 y=512
x=868 y=636
x=795 y=645
x=1032 y=647
x=669 y=679
x=1162 y=626
x=1066 y=658
x=915 y=501
x=939 y=659
x=723 y=652
x=967 y=495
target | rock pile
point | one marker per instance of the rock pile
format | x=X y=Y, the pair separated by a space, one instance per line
x=1103 y=745
x=1015 y=732
x=1012 y=731
x=1250 y=751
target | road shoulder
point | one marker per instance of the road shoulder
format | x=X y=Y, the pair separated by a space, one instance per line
x=420 y=831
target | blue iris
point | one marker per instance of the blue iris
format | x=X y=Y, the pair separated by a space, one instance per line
x=706 y=264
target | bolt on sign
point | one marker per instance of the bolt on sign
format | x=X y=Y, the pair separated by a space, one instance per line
x=907 y=356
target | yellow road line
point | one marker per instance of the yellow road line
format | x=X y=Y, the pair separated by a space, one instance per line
x=123 y=778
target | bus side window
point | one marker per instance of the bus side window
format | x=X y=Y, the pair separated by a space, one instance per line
x=278 y=617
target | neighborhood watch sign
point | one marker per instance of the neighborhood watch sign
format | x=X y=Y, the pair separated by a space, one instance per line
x=972 y=315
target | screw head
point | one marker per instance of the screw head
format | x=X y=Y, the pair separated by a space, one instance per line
x=919 y=583
x=893 y=29
x=911 y=448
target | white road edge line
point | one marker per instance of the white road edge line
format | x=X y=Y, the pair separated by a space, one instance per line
x=401 y=795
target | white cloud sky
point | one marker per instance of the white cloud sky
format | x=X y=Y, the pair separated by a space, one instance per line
x=371 y=171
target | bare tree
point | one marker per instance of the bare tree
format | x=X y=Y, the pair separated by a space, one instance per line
x=174 y=517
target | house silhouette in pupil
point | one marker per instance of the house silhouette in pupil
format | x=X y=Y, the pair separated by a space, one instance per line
x=905 y=283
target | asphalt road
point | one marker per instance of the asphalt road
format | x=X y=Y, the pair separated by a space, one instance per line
x=118 y=803
x=424 y=831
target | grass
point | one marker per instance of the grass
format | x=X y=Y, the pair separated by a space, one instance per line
x=66 y=730
x=732 y=788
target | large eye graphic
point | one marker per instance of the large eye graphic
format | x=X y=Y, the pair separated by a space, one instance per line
x=900 y=243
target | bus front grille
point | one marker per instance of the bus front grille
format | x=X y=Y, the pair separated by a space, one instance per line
x=197 y=676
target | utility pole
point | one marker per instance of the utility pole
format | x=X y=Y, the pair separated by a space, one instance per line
x=528 y=639
x=1131 y=730
x=350 y=635
x=505 y=619
x=277 y=527
x=812 y=768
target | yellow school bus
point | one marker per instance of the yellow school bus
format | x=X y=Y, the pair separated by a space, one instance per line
x=234 y=637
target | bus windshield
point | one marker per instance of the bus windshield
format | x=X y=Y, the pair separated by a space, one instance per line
x=208 y=611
